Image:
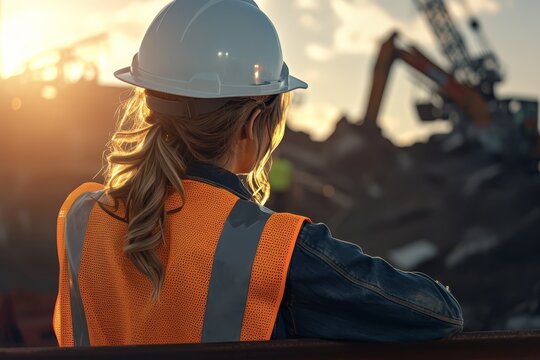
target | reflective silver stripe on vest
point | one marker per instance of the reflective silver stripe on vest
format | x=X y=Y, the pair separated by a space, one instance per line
x=231 y=272
x=75 y=232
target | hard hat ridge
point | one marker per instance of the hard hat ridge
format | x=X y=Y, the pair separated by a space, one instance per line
x=211 y=49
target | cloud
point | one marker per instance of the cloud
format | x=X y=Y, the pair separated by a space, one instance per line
x=309 y=21
x=363 y=24
x=323 y=114
x=126 y=27
x=134 y=18
x=308 y=4
x=318 y=52
x=43 y=27
x=459 y=9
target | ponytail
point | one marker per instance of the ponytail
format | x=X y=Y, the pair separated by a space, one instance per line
x=143 y=169
x=148 y=158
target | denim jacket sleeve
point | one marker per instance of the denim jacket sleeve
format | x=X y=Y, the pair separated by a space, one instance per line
x=335 y=291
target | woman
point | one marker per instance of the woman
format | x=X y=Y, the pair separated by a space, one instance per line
x=173 y=248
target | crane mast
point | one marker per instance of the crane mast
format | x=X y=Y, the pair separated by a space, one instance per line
x=481 y=72
x=450 y=40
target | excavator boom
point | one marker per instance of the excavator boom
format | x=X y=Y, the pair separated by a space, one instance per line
x=463 y=96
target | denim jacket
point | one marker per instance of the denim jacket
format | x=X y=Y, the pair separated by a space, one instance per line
x=336 y=291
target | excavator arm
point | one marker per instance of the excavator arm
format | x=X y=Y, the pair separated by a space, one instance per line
x=466 y=98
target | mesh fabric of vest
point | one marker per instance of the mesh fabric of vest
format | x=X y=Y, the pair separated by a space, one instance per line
x=117 y=297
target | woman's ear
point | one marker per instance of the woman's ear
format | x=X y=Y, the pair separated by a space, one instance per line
x=248 y=131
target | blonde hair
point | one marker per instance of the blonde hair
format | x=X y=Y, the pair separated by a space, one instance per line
x=149 y=154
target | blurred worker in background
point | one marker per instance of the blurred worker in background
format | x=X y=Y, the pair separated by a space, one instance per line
x=175 y=247
x=280 y=180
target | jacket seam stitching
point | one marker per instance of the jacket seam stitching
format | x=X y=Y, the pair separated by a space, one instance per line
x=377 y=289
x=288 y=301
x=289 y=307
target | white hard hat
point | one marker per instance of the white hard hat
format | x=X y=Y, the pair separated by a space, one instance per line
x=211 y=49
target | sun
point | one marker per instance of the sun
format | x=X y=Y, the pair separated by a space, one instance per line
x=19 y=41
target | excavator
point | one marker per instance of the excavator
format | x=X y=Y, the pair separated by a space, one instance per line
x=465 y=94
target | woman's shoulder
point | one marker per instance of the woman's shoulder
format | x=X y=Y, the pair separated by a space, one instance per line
x=318 y=236
x=82 y=190
x=85 y=188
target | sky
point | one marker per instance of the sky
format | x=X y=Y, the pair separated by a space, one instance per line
x=331 y=44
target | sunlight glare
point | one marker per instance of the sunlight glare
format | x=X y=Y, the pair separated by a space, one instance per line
x=49 y=92
x=19 y=41
x=16 y=104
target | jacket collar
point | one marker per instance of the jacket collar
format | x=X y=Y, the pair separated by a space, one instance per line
x=217 y=176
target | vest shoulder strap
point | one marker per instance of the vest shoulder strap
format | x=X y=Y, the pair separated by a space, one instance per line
x=68 y=314
x=248 y=274
x=269 y=274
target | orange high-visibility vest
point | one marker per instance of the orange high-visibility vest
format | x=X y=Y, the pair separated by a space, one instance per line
x=225 y=260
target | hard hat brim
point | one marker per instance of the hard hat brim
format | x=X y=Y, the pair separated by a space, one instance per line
x=296 y=83
x=126 y=75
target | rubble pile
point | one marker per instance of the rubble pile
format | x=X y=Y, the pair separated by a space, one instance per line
x=464 y=217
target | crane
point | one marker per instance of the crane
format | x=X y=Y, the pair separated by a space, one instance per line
x=60 y=58
x=465 y=93
x=482 y=72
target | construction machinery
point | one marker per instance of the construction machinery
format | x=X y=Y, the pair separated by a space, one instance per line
x=63 y=65
x=465 y=94
x=462 y=204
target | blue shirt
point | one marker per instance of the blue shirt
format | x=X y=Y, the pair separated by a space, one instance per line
x=336 y=291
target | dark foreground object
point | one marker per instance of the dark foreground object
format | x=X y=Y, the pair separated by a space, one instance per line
x=484 y=345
